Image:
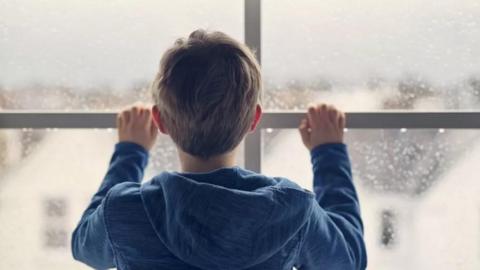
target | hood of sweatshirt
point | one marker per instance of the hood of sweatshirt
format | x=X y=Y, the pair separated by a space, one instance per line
x=225 y=219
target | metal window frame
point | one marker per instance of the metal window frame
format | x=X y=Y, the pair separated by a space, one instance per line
x=287 y=119
x=253 y=142
x=360 y=120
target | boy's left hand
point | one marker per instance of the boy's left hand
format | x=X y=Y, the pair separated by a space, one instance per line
x=135 y=125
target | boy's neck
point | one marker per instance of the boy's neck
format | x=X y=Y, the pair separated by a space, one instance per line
x=194 y=164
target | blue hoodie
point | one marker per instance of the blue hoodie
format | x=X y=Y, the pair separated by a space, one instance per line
x=229 y=218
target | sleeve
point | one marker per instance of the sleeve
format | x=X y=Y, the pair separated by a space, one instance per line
x=333 y=237
x=90 y=242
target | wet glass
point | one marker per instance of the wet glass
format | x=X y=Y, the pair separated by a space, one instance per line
x=418 y=192
x=95 y=55
x=372 y=55
x=47 y=178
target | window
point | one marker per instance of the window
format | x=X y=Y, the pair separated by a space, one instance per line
x=91 y=55
x=47 y=179
x=418 y=192
x=415 y=171
x=415 y=54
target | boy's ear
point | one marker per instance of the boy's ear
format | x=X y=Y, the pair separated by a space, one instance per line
x=157 y=118
x=256 y=117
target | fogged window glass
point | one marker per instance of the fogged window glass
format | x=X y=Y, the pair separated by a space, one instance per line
x=47 y=178
x=418 y=192
x=365 y=55
x=88 y=54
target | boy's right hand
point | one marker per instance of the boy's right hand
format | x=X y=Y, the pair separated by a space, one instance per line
x=135 y=125
x=323 y=124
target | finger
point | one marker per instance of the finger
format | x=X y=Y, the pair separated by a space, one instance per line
x=147 y=119
x=135 y=111
x=303 y=124
x=146 y=113
x=146 y=110
x=304 y=133
x=322 y=115
x=311 y=117
x=342 y=121
x=119 y=121
x=142 y=117
x=322 y=107
x=127 y=117
x=153 y=129
x=321 y=110
x=333 y=115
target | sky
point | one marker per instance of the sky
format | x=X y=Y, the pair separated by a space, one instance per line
x=87 y=43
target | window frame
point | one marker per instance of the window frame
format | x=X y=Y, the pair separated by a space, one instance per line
x=270 y=119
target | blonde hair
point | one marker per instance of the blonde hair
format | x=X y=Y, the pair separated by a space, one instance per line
x=207 y=90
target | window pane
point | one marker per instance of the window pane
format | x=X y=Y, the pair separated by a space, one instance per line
x=418 y=192
x=95 y=54
x=414 y=54
x=47 y=178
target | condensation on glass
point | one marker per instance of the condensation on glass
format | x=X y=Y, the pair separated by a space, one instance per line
x=47 y=178
x=95 y=55
x=418 y=192
x=372 y=55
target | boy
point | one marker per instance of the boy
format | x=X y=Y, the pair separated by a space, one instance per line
x=214 y=215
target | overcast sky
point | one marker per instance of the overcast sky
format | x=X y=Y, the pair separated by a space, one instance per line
x=91 y=42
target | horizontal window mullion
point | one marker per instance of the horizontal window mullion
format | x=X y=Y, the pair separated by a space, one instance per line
x=385 y=120
x=57 y=120
x=355 y=120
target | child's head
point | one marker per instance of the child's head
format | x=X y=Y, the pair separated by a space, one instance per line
x=207 y=93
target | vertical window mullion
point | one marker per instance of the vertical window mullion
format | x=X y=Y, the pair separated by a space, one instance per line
x=253 y=142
